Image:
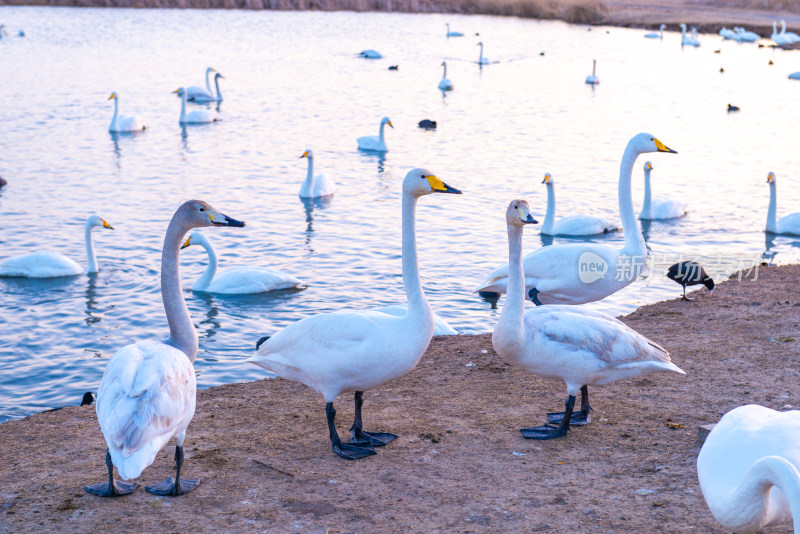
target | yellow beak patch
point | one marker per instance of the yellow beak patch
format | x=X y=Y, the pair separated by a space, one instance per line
x=436 y=184
x=662 y=147
x=106 y=225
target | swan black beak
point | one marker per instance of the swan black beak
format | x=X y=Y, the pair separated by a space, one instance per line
x=229 y=222
x=530 y=220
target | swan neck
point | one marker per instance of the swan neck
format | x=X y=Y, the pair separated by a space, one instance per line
x=550 y=215
x=417 y=303
x=510 y=325
x=647 y=205
x=216 y=85
x=383 y=124
x=211 y=269
x=183 y=106
x=772 y=217
x=634 y=242
x=116 y=110
x=444 y=76
x=182 y=334
x=90 y=257
x=208 y=84
x=594 y=66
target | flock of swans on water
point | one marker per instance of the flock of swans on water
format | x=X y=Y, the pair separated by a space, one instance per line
x=748 y=466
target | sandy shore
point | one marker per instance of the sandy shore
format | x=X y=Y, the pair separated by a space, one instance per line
x=460 y=464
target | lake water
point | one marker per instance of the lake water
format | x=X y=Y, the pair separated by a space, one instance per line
x=293 y=81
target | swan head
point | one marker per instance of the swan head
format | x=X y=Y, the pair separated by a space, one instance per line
x=195 y=238
x=645 y=142
x=218 y=75
x=420 y=182
x=771 y=178
x=96 y=220
x=648 y=166
x=386 y=120
x=308 y=154
x=683 y=26
x=444 y=64
x=548 y=179
x=178 y=91
x=209 y=70
x=113 y=95
x=663 y=27
x=197 y=214
x=519 y=214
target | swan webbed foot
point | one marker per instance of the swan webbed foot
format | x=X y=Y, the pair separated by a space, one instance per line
x=116 y=489
x=577 y=419
x=533 y=295
x=169 y=488
x=545 y=432
x=689 y=299
x=376 y=439
x=353 y=451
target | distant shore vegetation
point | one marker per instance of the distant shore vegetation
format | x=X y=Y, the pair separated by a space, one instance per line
x=575 y=11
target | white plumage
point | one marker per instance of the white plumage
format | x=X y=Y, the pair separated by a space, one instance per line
x=452 y=34
x=375 y=143
x=440 y=326
x=237 y=280
x=195 y=90
x=198 y=116
x=578 y=346
x=658 y=209
x=566 y=274
x=315 y=186
x=206 y=96
x=343 y=351
x=749 y=469
x=52 y=264
x=122 y=123
x=688 y=40
x=482 y=60
x=790 y=36
x=571 y=225
x=788 y=224
x=656 y=35
x=370 y=54
x=445 y=84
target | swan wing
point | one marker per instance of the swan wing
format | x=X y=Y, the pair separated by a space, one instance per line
x=576 y=225
x=129 y=124
x=199 y=116
x=196 y=91
x=146 y=396
x=440 y=326
x=789 y=224
x=248 y=280
x=668 y=209
x=323 y=186
x=370 y=142
x=40 y=265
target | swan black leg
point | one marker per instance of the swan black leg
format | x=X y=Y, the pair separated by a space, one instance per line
x=177 y=487
x=684 y=295
x=376 y=439
x=533 y=295
x=349 y=451
x=550 y=431
x=579 y=418
x=112 y=488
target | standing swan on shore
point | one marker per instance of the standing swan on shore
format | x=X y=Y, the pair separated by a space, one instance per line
x=788 y=224
x=194 y=90
x=122 y=123
x=749 y=469
x=592 y=79
x=578 y=346
x=236 y=280
x=315 y=186
x=482 y=60
x=560 y=274
x=445 y=84
x=53 y=264
x=147 y=394
x=344 y=351
x=375 y=143
x=658 y=209
x=571 y=225
x=198 y=116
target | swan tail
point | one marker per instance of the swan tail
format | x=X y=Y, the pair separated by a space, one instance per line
x=493 y=285
x=132 y=465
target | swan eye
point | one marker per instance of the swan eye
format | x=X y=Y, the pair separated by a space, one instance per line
x=516 y=207
x=202 y=209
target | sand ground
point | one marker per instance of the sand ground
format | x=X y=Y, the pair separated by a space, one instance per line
x=460 y=464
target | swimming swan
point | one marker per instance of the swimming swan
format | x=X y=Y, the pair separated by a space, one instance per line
x=482 y=60
x=658 y=209
x=198 y=116
x=237 y=280
x=208 y=97
x=53 y=264
x=195 y=90
x=788 y=224
x=728 y=34
x=343 y=351
x=792 y=37
x=452 y=34
x=147 y=394
x=659 y=35
x=315 y=186
x=121 y=123
x=592 y=78
x=553 y=274
x=375 y=143
x=779 y=38
x=571 y=225
x=370 y=54
x=440 y=326
x=745 y=36
x=578 y=346
x=749 y=469
x=445 y=84
x=688 y=40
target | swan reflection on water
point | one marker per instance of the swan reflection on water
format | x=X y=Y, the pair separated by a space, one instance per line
x=770 y=244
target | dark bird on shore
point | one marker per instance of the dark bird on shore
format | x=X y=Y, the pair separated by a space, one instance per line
x=541 y=53
x=88 y=399
x=731 y=108
x=427 y=124
x=760 y=45
x=721 y=69
x=690 y=273
x=770 y=62
x=393 y=67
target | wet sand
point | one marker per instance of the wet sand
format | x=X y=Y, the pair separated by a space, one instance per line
x=460 y=465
